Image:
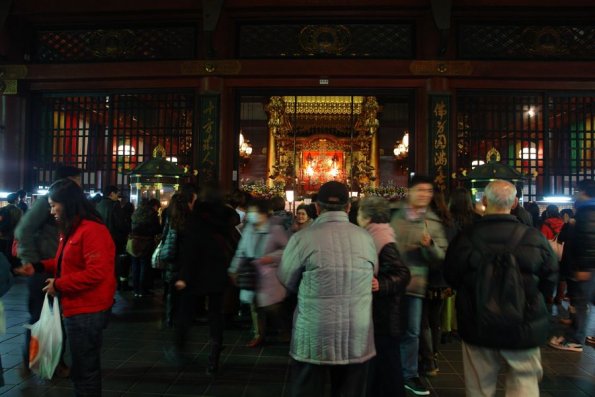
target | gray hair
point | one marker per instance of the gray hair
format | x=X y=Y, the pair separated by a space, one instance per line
x=500 y=194
x=376 y=209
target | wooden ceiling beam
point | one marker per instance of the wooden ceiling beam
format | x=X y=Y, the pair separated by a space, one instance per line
x=330 y=68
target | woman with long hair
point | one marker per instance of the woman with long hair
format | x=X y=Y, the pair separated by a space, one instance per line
x=145 y=226
x=206 y=246
x=463 y=213
x=437 y=291
x=179 y=212
x=84 y=280
x=461 y=209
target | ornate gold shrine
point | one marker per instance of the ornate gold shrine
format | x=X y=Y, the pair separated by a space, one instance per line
x=336 y=140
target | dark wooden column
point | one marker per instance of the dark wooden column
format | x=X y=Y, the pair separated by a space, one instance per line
x=12 y=142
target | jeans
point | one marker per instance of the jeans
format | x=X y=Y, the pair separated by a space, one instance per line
x=139 y=267
x=346 y=380
x=582 y=296
x=410 y=341
x=481 y=366
x=85 y=336
x=386 y=374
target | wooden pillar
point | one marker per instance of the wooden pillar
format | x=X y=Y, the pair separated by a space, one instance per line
x=207 y=146
x=12 y=142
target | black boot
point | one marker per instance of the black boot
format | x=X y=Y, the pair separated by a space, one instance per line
x=214 y=355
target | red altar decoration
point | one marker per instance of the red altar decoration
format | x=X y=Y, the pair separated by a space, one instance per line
x=319 y=167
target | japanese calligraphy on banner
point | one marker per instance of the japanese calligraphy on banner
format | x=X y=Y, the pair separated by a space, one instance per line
x=439 y=132
x=208 y=138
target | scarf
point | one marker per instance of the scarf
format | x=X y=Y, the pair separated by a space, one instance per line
x=382 y=233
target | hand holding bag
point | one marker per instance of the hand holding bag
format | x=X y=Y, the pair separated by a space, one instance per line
x=45 y=348
x=246 y=275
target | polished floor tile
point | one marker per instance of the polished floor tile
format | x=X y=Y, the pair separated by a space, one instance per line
x=136 y=362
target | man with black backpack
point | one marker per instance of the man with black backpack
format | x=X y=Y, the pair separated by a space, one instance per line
x=499 y=268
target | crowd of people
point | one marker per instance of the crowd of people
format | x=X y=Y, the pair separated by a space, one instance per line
x=363 y=290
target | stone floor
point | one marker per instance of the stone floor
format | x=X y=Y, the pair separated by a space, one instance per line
x=134 y=363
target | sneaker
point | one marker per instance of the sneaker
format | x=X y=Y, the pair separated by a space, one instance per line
x=415 y=386
x=590 y=341
x=560 y=343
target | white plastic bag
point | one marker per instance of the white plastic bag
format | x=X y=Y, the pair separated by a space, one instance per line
x=45 y=347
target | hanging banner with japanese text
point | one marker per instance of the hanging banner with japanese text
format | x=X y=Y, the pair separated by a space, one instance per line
x=439 y=127
x=208 y=138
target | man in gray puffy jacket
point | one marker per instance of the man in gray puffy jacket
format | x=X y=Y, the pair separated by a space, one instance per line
x=330 y=265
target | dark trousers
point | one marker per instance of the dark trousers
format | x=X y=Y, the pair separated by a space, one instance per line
x=187 y=312
x=431 y=329
x=276 y=315
x=346 y=380
x=170 y=297
x=140 y=267
x=85 y=336
x=386 y=376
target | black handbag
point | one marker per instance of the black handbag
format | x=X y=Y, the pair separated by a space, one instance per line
x=246 y=275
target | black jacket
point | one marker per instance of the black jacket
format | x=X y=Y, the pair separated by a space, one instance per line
x=393 y=277
x=114 y=218
x=206 y=246
x=538 y=266
x=584 y=232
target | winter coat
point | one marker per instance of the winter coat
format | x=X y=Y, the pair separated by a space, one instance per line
x=393 y=277
x=86 y=283
x=585 y=235
x=37 y=233
x=145 y=227
x=270 y=242
x=551 y=227
x=425 y=263
x=283 y=218
x=538 y=266
x=330 y=265
x=205 y=248
x=114 y=219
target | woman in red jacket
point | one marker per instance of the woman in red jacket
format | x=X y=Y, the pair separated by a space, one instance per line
x=84 y=281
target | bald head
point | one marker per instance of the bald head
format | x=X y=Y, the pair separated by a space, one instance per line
x=499 y=197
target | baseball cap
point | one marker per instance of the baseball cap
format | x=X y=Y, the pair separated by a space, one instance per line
x=333 y=192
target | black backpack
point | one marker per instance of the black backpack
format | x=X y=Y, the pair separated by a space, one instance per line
x=500 y=290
